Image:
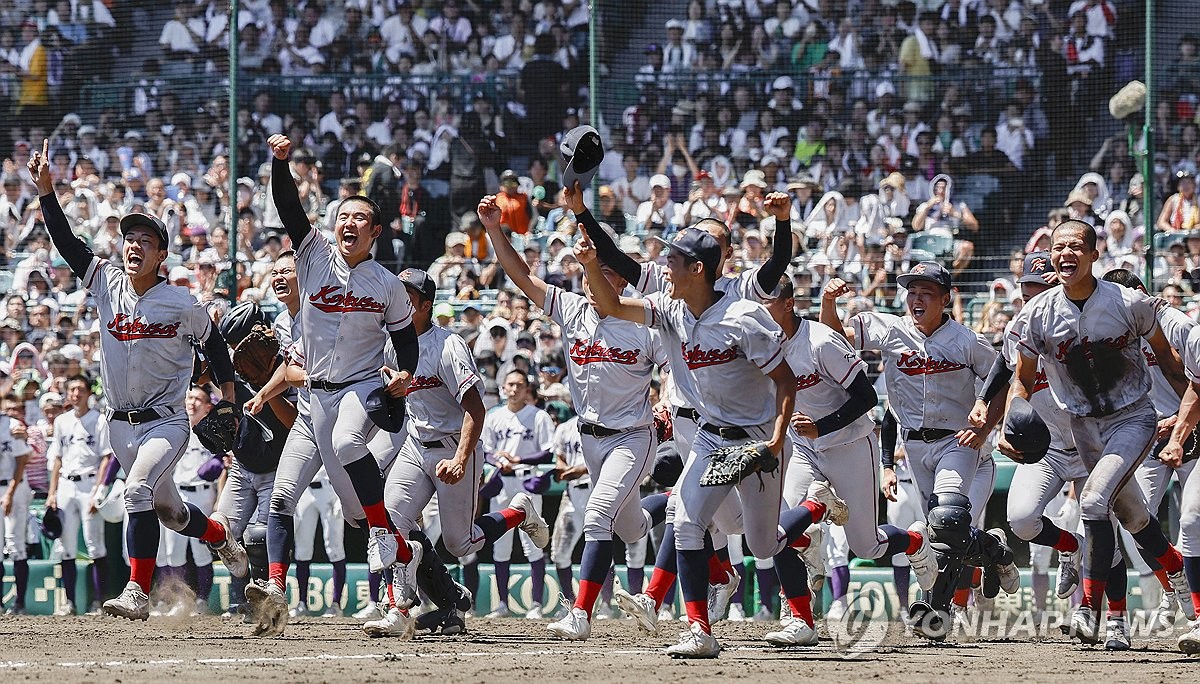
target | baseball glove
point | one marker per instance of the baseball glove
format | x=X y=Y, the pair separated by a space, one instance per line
x=218 y=430
x=732 y=464
x=255 y=356
x=663 y=426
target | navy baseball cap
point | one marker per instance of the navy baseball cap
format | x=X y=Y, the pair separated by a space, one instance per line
x=419 y=281
x=385 y=410
x=140 y=220
x=929 y=271
x=1037 y=264
x=581 y=151
x=697 y=245
x=1025 y=430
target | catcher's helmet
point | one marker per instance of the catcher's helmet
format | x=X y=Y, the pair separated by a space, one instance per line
x=1025 y=430
x=240 y=320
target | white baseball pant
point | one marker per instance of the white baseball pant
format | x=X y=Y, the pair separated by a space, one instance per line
x=148 y=453
x=246 y=498
x=319 y=503
x=1112 y=447
x=74 y=499
x=617 y=464
x=16 y=523
x=852 y=469
x=941 y=467
x=568 y=526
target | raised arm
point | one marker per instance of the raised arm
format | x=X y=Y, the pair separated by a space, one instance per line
x=512 y=263
x=73 y=250
x=829 y=295
x=605 y=298
x=285 y=193
x=606 y=249
x=779 y=205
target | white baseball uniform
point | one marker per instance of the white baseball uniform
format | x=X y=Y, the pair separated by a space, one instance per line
x=79 y=445
x=568 y=526
x=445 y=373
x=14 y=523
x=527 y=432
x=319 y=503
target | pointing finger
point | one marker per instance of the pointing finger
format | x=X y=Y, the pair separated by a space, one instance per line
x=45 y=148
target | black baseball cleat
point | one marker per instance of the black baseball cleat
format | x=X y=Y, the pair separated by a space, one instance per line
x=928 y=622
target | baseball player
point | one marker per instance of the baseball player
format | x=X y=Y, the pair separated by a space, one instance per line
x=648 y=278
x=319 y=503
x=14 y=452
x=716 y=342
x=78 y=454
x=196 y=475
x=517 y=435
x=1085 y=336
x=351 y=307
x=610 y=362
x=145 y=365
x=834 y=400
x=1189 y=515
x=568 y=526
x=442 y=456
x=931 y=364
x=1154 y=476
x=298 y=464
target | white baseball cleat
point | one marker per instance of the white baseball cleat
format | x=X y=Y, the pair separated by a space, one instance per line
x=574 y=627
x=719 y=596
x=269 y=606
x=132 y=604
x=1068 y=571
x=381 y=549
x=404 y=577
x=836 y=510
x=370 y=611
x=665 y=614
x=814 y=559
x=534 y=524
x=231 y=552
x=534 y=612
x=641 y=608
x=1162 y=620
x=695 y=643
x=1183 y=594
x=67 y=608
x=395 y=624
x=1083 y=626
x=923 y=562
x=500 y=611
x=794 y=633
x=737 y=613
x=1189 y=643
x=1117 y=635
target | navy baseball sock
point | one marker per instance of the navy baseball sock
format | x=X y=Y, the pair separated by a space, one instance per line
x=636 y=578
x=593 y=569
x=693 y=582
x=1101 y=543
x=70 y=574
x=98 y=571
x=500 y=568
x=767 y=588
x=1051 y=534
x=303 y=570
x=537 y=583
x=141 y=539
x=795 y=521
x=204 y=581
x=898 y=540
x=281 y=530
x=566 y=580
x=665 y=564
x=719 y=568
x=669 y=597
x=470 y=575
x=839 y=582
x=494 y=525
x=1191 y=568
x=339 y=581
x=374 y=579
x=201 y=526
x=655 y=506
x=1117 y=587
x=903 y=580
x=368 y=485
x=1155 y=544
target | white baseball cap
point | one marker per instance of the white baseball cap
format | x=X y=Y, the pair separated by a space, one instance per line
x=659 y=180
x=782 y=83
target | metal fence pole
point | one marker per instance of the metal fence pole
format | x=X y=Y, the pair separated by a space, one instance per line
x=233 y=144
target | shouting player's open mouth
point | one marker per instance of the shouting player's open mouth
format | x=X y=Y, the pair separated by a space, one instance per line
x=1068 y=265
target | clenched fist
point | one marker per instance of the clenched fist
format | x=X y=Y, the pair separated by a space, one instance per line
x=281 y=146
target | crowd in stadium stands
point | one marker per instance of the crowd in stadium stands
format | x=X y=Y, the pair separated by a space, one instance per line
x=885 y=160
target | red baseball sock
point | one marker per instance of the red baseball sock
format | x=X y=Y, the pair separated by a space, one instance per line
x=914 y=542
x=588 y=591
x=716 y=571
x=1093 y=593
x=1116 y=608
x=141 y=570
x=512 y=517
x=802 y=542
x=213 y=533
x=1162 y=579
x=816 y=508
x=977 y=577
x=801 y=608
x=391 y=596
x=1196 y=602
x=1171 y=561
x=1066 y=542
x=697 y=611
x=961 y=596
x=660 y=583
x=377 y=516
x=277 y=573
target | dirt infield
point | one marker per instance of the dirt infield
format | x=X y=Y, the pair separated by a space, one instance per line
x=324 y=650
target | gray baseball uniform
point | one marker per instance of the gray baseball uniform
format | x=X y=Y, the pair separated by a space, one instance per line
x=1189 y=510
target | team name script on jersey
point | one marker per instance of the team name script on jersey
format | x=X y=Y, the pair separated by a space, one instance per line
x=805 y=381
x=125 y=328
x=423 y=382
x=586 y=351
x=1087 y=345
x=329 y=300
x=701 y=358
x=913 y=363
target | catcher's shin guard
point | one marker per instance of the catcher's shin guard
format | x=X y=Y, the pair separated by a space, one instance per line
x=954 y=542
x=255 y=540
x=434 y=580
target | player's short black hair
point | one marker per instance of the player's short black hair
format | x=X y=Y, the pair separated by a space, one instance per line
x=286 y=254
x=375 y=211
x=1086 y=230
x=725 y=232
x=1125 y=278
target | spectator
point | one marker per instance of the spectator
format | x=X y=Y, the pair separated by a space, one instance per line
x=917 y=54
x=1181 y=211
x=658 y=213
x=515 y=206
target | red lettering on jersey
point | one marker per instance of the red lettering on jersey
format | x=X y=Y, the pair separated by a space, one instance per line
x=701 y=358
x=1151 y=359
x=586 y=351
x=912 y=363
x=806 y=381
x=1040 y=382
x=125 y=328
x=1065 y=347
x=424 y=382
x=329 y=301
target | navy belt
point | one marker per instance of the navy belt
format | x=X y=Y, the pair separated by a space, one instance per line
x=725 y=432
x=689 y=413
x=136 y=417
x=594 y=430
x=326 y=386
x=195 y=488
x=79 y=478
x=928 y=434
